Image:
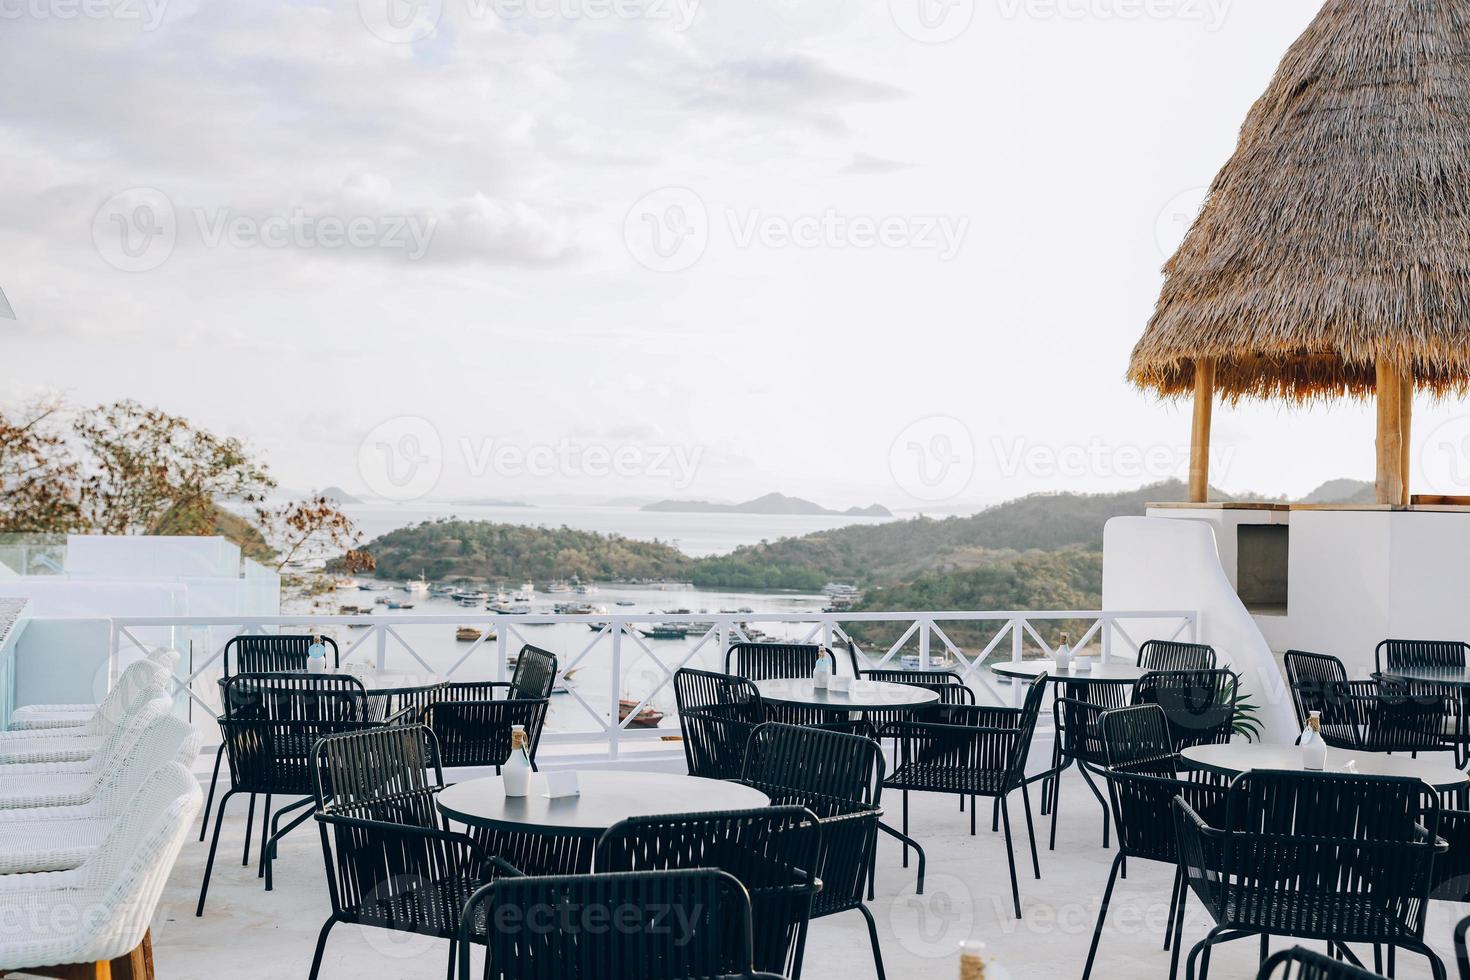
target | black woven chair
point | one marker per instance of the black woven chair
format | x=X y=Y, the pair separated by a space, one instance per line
x=478 y=733
x=1144 y=776
x=1392 y=655
x=764 y=661
x=391 y=861
x=1076 y=717
x=1200 y=704
x=1300 y=964
x=1320 y=683
x=950 y=687
x=838 y=777
x=979 y=751
x=717 y=714
x=665 y=925
x=1176 y=655
x=1384 y=714
x=261 y=653
x=1450 y=655
x=1319 y=856
x=269 y=750
x=284 y=696
x=1078 y=726
x=772 y=851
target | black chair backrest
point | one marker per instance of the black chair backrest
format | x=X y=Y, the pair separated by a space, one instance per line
x=386 y=773
x=826 y=771
x=295 y=697
x=1300 y=964
x=1200 y=704
x=1138 y=734
x=535 y=673
x=1313 y=677
x=717 y=715
x=650 y=925
x=259 y=653
x=838 y=777
x=478 y=733
x=1392 y=655
x=772 y=851
x=1176 y=655
x=764 y=661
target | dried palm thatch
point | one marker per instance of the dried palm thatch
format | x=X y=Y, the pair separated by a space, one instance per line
x=1338 y=234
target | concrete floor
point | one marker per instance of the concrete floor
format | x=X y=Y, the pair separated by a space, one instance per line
x=248 y=933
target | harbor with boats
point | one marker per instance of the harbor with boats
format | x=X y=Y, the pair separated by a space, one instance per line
x=652 y=648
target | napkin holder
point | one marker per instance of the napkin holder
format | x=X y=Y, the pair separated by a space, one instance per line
x=561 y=783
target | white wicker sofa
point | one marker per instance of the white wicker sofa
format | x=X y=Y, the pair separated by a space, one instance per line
x=85 y=918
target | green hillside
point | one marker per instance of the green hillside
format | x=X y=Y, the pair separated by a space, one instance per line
x=485 y=550
x=888 y=554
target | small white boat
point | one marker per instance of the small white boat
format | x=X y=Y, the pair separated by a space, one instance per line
x=417 y=586
x=526 y=593
x=558 y=586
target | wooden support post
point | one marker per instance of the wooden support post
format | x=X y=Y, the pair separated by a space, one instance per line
x=1199 y=439
x=1406 y=433
x=1390 y=468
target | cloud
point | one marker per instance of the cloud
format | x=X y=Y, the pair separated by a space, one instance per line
x=865 y=164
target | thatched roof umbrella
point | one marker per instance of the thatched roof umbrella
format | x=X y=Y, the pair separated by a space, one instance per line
x=1332 y=256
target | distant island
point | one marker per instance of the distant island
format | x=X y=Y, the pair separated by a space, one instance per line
x=771 y=503
x=338 y=495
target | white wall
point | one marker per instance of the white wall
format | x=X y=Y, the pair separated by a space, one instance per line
x=1358 y=577
x=1167 y=563
x=132 y=556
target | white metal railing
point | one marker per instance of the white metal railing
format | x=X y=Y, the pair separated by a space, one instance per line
x=1110 y=633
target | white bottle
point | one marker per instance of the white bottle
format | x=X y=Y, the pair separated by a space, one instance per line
x=1063 y=655
x=975 y=961
x=316 y=656
x=1314 y=749
x=822 y=672
x=516 y=772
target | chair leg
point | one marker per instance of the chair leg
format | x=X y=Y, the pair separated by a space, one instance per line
x=265 y=833
x=453 y=956
x=219 y=819
x=137 y=964
x=277 y=832
x=1174 y=897
x=321 y=947
x=1101 y=800
x=906 y=826
x=1056 y=799
x=1436 y=965
x=1102 y=914
x=1030 y=830
x=1011 y=856
x=249 y=830
x=1265 y=947
x=994 y=816
x=1178 y=929
x=219 y=754
x=873 y=938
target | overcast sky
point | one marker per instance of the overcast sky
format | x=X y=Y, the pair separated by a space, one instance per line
x=892 y=251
